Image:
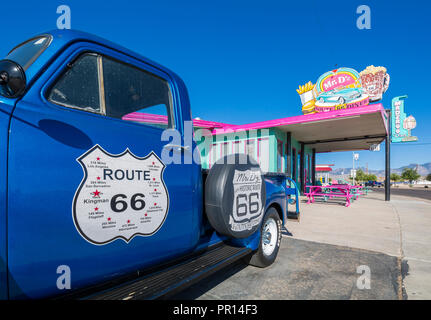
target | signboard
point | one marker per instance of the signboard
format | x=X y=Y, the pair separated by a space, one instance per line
x=401 y=124
x=375 y=82
x=342 y=77
x=344 y=88
x=375 y=147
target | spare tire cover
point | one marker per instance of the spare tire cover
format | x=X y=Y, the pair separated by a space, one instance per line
x=235 y=196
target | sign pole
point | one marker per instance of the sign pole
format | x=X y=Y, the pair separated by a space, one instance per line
x=353 y=171
x=388 y=158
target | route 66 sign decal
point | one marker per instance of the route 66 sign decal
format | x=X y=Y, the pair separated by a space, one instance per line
x=121 y=196
x=247 y=209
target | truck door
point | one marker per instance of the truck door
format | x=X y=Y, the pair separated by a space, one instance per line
x=6 y=107
x=90 y=195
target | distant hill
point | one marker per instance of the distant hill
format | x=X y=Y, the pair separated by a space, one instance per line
x=423 y=170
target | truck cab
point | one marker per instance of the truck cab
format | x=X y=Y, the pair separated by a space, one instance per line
x=86 y=197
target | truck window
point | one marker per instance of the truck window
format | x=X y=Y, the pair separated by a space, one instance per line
x=133 y=94
x=27 y=52
x=99 y=84
x=78 y=87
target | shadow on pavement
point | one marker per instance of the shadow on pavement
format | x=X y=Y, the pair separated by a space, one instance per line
x=305 y=270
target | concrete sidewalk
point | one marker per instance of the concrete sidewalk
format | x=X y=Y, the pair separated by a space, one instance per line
x=400 y=228
x=415 y=220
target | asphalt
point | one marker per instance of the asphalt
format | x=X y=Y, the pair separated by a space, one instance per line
x=305 y=270
x=399 y=228
x=320 y=254
x=413 y=192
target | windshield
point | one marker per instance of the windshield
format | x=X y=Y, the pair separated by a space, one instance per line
x=26 y=53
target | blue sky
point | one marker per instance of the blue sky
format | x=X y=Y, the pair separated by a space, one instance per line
x=243 y=60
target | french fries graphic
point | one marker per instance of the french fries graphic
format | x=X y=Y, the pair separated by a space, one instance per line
x=307 y=95
x=306 y=87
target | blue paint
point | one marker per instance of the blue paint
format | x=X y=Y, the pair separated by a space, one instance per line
x=37 y=233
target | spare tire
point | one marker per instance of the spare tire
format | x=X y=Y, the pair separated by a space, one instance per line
x=235 y=196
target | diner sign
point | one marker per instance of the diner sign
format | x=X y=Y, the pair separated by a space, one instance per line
x=401 y=124
x=344 y=88
x=336 y=78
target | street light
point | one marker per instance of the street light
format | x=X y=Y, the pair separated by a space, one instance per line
x=355 y=158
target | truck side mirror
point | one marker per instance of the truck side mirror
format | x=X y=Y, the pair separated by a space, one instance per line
x=12 y=79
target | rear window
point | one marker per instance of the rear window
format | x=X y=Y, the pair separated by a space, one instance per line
x=27 y=52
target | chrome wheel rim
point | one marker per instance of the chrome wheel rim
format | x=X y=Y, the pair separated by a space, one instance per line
x=269 y=237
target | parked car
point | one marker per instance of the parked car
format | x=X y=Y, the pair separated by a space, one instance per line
x=374 y=184
x=86 y=193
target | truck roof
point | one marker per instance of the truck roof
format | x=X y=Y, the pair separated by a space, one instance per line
x=61 y=39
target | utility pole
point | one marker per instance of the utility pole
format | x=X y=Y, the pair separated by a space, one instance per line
x=353 y=170
x=355 y=157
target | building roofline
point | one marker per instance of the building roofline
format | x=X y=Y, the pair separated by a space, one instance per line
x=307 y=118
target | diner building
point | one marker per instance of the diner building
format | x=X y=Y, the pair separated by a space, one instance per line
x=290 y=145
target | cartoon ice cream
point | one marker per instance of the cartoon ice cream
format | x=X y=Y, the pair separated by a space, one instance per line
x=375 y=82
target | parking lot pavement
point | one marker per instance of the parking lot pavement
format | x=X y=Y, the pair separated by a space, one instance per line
x=321 y=252
x=304 y=270
x=368 y=223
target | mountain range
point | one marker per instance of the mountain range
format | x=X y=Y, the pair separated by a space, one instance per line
x=422 y=169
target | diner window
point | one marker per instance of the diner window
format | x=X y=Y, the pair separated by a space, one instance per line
x=238 y=147
x=279 y=156
x=212 y=154
x=286 y=157
x=224 y=149
x=294 y=165
x=263 y=154
x=310 y=171
x=298 y=165
x=250 y=148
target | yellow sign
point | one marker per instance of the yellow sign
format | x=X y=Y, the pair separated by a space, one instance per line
x=308 y=97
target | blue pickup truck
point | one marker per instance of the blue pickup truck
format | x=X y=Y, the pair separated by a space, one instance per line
x=89 y=206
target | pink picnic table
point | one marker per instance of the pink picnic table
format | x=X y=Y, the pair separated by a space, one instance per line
x=353 y=190
x=338 y=190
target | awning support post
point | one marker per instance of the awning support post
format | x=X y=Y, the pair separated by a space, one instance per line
x=301 y=167
x=289 y=155
x=388 y=159
x=313 y=168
